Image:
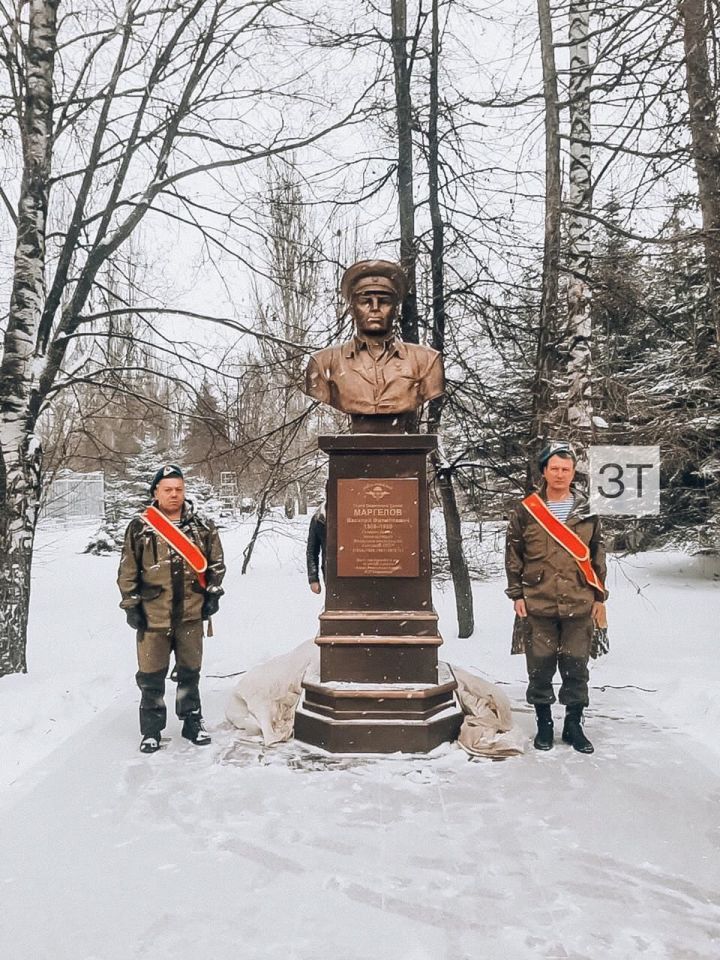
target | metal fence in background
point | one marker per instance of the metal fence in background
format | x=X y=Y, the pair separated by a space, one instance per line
x=75 y=496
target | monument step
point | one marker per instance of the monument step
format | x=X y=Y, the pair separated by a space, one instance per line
x=377 y=736
x=370 y=640
x=344 y=701
x=379 y=614
x=444 y=683
x=378 y=622
x=334 y=713
x=381 y=660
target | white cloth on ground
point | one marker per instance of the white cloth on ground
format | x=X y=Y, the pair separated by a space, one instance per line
x=264 y=701
x=487 y=729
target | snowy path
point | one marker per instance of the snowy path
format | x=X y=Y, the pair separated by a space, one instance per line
x=236 y=852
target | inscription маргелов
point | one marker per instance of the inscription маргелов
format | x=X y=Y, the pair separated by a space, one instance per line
x=378 y=528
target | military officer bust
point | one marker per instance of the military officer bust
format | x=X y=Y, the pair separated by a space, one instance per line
x=375 y=377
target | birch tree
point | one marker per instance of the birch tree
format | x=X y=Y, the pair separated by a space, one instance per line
x=20 y=461
x=578 y=401
x=403 y=62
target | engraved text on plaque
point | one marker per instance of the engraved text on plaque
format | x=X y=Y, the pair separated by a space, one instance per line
x=378 y=528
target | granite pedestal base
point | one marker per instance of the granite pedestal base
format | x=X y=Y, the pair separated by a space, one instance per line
x=380 y=688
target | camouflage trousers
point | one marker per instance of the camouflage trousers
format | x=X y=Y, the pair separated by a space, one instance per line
x=558 y=643
x=153 y=652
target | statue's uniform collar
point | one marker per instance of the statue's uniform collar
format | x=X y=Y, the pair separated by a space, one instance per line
x=393 y=345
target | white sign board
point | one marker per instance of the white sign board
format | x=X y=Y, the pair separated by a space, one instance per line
x=625 y=480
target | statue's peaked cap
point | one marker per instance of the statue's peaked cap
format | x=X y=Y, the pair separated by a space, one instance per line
x=374 y=274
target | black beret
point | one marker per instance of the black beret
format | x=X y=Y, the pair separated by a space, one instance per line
x=561 y=447
x=167 y=470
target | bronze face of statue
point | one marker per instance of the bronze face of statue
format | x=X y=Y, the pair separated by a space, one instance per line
x=374 y=315
x=375 y=377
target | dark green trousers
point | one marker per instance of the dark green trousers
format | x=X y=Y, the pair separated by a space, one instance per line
x=558 y=644
x=153 y=649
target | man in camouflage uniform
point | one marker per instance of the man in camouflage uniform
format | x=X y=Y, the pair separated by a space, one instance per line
x=165 y=603
x=556 y=605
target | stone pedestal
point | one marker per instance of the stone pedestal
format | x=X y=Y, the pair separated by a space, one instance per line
x=378 y=689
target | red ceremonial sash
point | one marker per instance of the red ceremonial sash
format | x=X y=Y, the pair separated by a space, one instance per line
x=176 y=539
x=562 y=534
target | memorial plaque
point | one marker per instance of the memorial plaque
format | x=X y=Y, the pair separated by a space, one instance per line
x=378 y=527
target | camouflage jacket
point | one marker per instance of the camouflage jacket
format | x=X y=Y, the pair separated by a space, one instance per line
x=542 y=572
x=155 y=576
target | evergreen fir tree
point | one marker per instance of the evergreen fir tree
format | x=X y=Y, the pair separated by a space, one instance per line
x=128 y=495
x=653 y=316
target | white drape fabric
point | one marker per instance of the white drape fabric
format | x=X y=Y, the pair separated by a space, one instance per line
x=262 y=705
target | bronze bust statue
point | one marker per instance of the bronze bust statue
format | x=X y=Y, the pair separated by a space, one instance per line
x=375 y=377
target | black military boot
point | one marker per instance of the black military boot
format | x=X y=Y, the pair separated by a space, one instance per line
x=573 y=731
x=152 y=709
x=544 y=737
x=194 y=731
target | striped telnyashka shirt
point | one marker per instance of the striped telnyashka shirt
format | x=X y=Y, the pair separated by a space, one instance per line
x=561 y=508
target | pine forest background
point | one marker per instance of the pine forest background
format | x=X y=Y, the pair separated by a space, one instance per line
x=184 y=182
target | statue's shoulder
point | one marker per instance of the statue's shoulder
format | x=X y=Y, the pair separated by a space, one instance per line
x=422 y=348
x=422 y=354
x=328 y=354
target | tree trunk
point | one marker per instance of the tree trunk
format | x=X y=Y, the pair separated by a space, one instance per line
x=248 y=551
x=543 y=400
x=21 y=502
x=705 y=142
x=453 y=529
x=20 y=455
x=437 y=262
x=406 y=200
x=456 y=555
x=578 y=399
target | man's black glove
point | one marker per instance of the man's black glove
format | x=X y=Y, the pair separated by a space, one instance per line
x=211 y=605
x=136 y=618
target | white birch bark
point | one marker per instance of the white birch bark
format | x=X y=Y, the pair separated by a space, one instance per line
x=578 y=400
x=20 y=455
x=405 y=174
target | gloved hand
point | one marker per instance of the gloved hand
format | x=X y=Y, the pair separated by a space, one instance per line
x=136 y=618
x=211 y=605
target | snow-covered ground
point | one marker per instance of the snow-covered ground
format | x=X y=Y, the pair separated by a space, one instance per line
x=239 y=851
